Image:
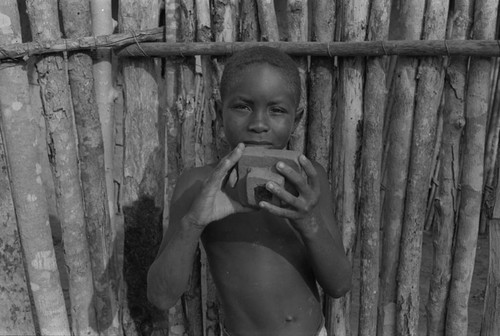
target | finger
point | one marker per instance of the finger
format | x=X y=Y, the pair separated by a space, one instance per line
x=228 y=162
x=278 y=211
x=297 y=179
x=282 y=194
x=310 y=171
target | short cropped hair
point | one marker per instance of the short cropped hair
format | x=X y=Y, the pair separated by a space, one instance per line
x=260 y=55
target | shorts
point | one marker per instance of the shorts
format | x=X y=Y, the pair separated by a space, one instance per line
x=321 y=331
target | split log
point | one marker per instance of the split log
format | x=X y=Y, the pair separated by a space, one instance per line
x=225 y=20
x=19 y=131
x=297 y=18
x=491 y=315
x=250 y=29
x=447 y=199
x=16 y=316
x=102 y=24
x=427 y=100
x=491 y=151
x=267 y=20
x=322 y=87
x=76 y=22
x=485 y=13
x=186 y=107
x=143 y=167
x=399 y=138
x=168 y=96
x=321 y=108
x=347 y=141
x=375 y=97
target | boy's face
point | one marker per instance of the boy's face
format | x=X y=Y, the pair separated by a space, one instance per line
x=260 y=108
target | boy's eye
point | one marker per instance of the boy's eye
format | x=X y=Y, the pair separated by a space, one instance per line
x=278 y=110
x=241 y=107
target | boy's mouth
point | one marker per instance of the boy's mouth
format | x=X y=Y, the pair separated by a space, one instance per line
x=258 y=144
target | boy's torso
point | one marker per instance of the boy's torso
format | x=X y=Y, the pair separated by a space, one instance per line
x=260 y=268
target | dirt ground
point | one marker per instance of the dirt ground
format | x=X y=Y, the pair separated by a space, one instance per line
x=477 y=293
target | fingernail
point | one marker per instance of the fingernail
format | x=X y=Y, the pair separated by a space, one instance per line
x=270 y=186
x=303 y=158
x=280 y=165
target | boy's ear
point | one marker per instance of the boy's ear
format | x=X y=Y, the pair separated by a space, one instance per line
x=298 y=117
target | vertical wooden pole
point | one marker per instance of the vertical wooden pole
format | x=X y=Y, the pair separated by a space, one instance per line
x=347 y=140
x=410 y=14
x=168 y=98
x=427 y=100
x=491 y=315
x=321 y=91
x=76 y=22
x=207 y=149
x=143 y=168
x=322 y=86
x=102 y=24
x=298 y=31
x=485 y=15
x=447 y=200
x=375 y=97
x=19 y=130
x=225 y=29
x=16 y=316
x=267 y=20
x=250 y=30
x=16 y=313
x=187 y=103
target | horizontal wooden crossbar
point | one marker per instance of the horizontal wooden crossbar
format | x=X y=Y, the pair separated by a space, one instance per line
x=485 y=48
x=148 y=43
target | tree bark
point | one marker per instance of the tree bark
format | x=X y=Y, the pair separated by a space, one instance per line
x=485 y=12
x=16 y=317
x=347 y=141
x=15 y=314
x=143 y=166
x=429 y=87
x=375 y=96
x=399 y=138
x=102 y=24
x=250 y=30
x=491 y=315
x=19 y=130
x=321 y=109
x=76 y=18
x=297 y=18
x=267 y=21
x=447 y=201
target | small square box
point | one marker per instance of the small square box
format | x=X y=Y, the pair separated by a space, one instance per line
x=256 y=167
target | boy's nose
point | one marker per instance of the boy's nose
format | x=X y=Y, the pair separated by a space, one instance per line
x=259 y=122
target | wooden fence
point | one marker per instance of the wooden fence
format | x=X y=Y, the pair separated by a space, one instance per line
x=402 y=108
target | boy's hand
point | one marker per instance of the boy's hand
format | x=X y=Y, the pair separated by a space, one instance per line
x=213 y=203
x=301 y=207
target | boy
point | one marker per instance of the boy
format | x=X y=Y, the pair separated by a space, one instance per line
x=265 y=262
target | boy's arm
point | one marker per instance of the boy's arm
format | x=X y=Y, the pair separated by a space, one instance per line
x=169 y=274
x=198 y=200
x=323 y=241
x=312 y=216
